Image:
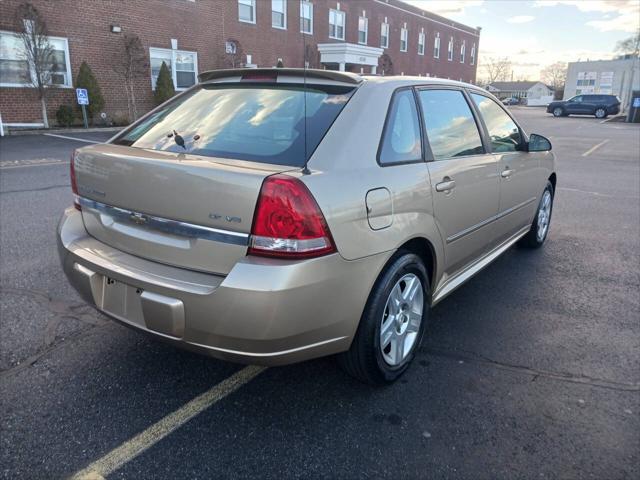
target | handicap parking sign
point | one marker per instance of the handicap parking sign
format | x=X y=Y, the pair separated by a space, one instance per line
x=82 y=96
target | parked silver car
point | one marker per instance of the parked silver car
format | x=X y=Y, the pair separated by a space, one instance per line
x=273 y=216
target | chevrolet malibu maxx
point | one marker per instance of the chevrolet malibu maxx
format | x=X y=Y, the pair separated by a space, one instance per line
x=271 y=216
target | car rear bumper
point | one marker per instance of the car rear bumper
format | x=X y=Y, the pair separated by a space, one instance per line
x=265 y=311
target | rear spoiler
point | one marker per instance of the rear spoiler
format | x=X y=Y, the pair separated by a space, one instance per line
x=331 y=75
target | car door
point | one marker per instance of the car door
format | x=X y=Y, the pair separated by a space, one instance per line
x=588 y=105
x=464 y=177
x=518 y=168
x=574 y=105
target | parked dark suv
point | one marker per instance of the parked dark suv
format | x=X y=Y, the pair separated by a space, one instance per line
x=598 y=105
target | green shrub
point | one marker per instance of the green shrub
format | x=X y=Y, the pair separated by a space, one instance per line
x=164 y=85
x=65 y=115
x=86 y=79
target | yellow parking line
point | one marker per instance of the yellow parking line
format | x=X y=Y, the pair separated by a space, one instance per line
x=594 y=148
x=156 y=432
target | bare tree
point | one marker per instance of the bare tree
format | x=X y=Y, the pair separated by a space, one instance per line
x=386 y=64
x=630 y=45
x=311 y=56
x=133 y=65
x=497 y=69
x=38 y=52
x=555 y=75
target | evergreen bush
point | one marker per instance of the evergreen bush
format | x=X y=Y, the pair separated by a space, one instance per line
x=65 y=115
x=86 y=79
x=164 y=85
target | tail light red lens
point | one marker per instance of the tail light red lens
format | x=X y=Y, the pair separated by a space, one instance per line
x=288 y=222
x=74 y=183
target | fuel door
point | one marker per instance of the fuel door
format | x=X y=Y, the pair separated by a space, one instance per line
x=379 y=208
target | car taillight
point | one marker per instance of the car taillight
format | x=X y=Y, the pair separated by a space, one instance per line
x=288 y=222
x=74 y=183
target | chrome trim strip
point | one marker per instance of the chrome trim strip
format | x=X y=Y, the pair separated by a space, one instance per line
x=174 y=227
x=477 y=226
x=454 y=282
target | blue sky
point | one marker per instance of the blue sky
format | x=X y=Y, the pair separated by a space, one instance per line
x=534 y=34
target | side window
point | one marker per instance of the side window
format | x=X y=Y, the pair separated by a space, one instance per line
x=577 y=99
x=451 y=128
x=401 y=141
x=504 y=133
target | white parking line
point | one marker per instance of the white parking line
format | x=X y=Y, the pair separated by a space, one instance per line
x=70 y=138
x=156 y=432
x=594 y=148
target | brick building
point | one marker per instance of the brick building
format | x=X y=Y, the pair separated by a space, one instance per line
x=369 y=36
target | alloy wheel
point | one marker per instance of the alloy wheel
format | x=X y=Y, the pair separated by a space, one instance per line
x=557 y=112
x=544 y=215
x=401 y=319
x=600 y=113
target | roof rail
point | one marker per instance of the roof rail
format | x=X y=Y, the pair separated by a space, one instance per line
x=333 y=75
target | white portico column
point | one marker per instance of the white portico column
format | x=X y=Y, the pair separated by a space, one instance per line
x=374 y=69
x=342 y=66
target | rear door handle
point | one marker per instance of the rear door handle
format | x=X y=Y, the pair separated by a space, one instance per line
x=507 y=172
x=445 y=186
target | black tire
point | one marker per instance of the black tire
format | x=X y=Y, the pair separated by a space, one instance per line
x=600 y=112
x=364 y=359
x=531 y=239
x=558 y=112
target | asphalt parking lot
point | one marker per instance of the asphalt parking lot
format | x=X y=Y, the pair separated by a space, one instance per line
x=530 y=370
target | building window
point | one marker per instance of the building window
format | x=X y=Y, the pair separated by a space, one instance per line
x=450 y=50
x=463 y=50
x=306 y=17
x=404 y=37
x=384 y=35
x=436 y=46
x=247 y=11
x=421 y=40
x=182 y=65
x=279 y=14
x=14 y=67
x=363 y=30
x=336 y=24
x=473 y=54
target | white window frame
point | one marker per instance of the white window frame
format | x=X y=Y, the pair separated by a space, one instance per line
x=248 y=3
x=421 y=42
x=463 y=51
x=304 y=3
x=365 y=20
x=450 y=50
x=436 y=46
x=383 y=26
x=404 y=37
x=337 y=13
x=68 y=78
x=284 y=6
x=473 y=54
x=174 y=74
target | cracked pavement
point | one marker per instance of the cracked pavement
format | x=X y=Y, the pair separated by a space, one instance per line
x=530 y=370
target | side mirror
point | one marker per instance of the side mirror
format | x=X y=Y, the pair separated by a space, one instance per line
x=538 y=143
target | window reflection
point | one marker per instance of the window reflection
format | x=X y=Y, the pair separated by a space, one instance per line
x=504 y=133
x=451 y=128
x=258 y=123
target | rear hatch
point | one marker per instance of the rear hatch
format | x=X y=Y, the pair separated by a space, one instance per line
x=180 y=186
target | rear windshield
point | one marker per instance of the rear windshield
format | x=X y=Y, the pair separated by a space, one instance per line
x=257 y=122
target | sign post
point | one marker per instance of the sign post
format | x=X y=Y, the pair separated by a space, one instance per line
x=83 y=100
